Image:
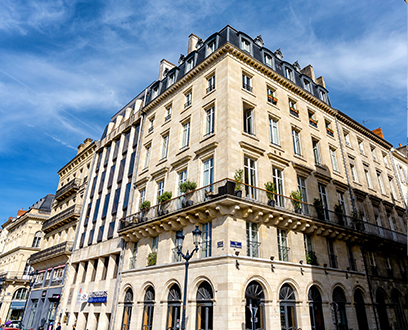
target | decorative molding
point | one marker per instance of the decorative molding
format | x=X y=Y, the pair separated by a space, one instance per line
x=251 y=149
x=302 y=170
x=159 y=174
x=341 y=185
x=206 y=151
x=278 y=161
x=322 y=178
x=180 y=163
x=142 y=182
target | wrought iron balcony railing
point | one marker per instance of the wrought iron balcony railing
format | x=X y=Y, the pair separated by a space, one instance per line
x=69 y=189
x=62 y=218
x=261 y=197
x=12 y=275
x=51 y=252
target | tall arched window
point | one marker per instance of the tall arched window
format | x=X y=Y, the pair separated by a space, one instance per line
x=382 y=309
x=254 y=307
x=148 y=309
x=127 y=312
x=396 y=298
x=20 y=294
x=339 y=308
x=173 y=308
x=287 y=307
x=204 y=307
x=315 y=308
x=37 y=239
x=360 y=307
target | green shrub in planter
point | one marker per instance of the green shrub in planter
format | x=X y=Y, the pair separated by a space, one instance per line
x=164 y=197
x=145 y=205
x=311 y=258
x=270 y=188
x=239 y=178
x=187 y=186
x=152 y=258
x=297 y=197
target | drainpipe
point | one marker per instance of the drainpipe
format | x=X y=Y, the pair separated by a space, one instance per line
x=345 y=167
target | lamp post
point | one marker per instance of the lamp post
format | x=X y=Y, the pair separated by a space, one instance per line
x=33 y=276
x=187 y=257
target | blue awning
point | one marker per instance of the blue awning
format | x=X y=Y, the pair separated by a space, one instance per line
x=17 y=304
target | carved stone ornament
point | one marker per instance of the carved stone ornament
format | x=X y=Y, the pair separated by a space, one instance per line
x=181 y=59
x=278 y=53
x=259 y=41
x=296 y=66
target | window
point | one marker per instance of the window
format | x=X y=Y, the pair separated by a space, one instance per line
x=250 y=177
x=182 y=178
x=208 y=173
x=210 y=47
x=273 y=131
x=105 y=206
x=329 y=130
x=127 y=194
x=37 y=239
x=311 y=258
x=385 y=160
x=116 y=151
x=95 y=215
x=105 y=268
x=374 y=154
x=116 y=265
x=278 y=182
x=116 y=201
x=361 y=146
x=20 y=294
x=393 y=191
x=206 y=235
x=132 y=163
x=307 y=85
x=126 y=142
x=155 y=91
x=371 y=259
x=102 y=182
x=332 y=255
x=353 y=171
x=283 y=249
x=188 y=98
x=302 y=187
x=296 y=142
x=185 y=140
x=401 y=173
x=133 y=258
x=148 y=309
x=210 y=84
x=287 y=307
x=248 y=120
x=368 y=177
x=352 y=261
x=334 y=160
x=165 y=146
x=323 y=95
x=380 y=182
x=142 y=197
x=288 y=73
x=170 y=80
x=94 y=269
x=121 y=169
x=160 y=189
x=378 y=221
x=323 y=199
x=85 y=269
x=254 y=307
x=209 y=121
x=316 y=153
x=347 y=139
x=204 y=299
x=312 y=119
x=176 y=256
x=271 y=96
x=111 y=174
x=268 y=60
x=155 y=243
x=147 y=156
x=292 y=108
x=168 y=113
x=190 y=64
x=245 y=45
x=340 y=199
x=252 y=239
x=246 y=82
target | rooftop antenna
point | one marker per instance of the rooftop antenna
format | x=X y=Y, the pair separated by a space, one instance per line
x=366 y=121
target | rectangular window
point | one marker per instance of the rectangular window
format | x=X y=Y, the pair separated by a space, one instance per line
x=329 y=130
x=76 y=268
x=323 y=95
x=310 y=254
x=136 y=136
x=95 y=215
x=94 y=269
x=273 y=131
x=302 y=187
x=352 y=261
x=252 y=239
x=334 y=160
x=100 y=233
x=170 y=80
x=133 y=258
x=283 y=248
x=208 y=174
x=182 y=178
x=368 y=177
x=127 y=194
x=155 y=243
x=105 y=206
x=168 y=113
x=116 y=151
x=340 y=199
x=206 y=235
x=101 y=182
x=248 y=120
x=91 y=235
x=132 y=163
x=185 y=140
x=209 y=121
x=210 y=84
x=332 y=255
x=245 y=45
x=210 y=48
x=277 y=178
x=316 y=153
x=268 y=60
x=121 y=169
x=151 y=125
x=288 y=73
x=393 y=191
x=250 y=177
x=361 y=146
x=160 y=189
x=93 y=186
x=116 y=201
x=296 y=142
x=147 y=156
x=105 y=268
x=111 y=174
x=380 y=182
x=401 y=173
x=82 y=241
x=323 y=199
x=126 y=142
x=142 y=196
x=293 y=109
x=111 y=229
x=347 y=139
x=374 y=154
x=246 y=82
x=165 y=146
x=107 y=156
x=353 y=170
x=98 y=163
x=88 y=213
x=188 y=99
x=271 y=96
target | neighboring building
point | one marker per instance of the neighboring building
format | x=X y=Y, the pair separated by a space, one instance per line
x=59 y=232
x=23 y=239
x=91 y=286
x=233 y=104
x=400 y=161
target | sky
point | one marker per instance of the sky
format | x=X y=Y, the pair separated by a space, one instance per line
x=67 y=66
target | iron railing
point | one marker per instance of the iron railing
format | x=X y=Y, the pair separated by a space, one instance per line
x=247 y=87
x=283 y=252
x=253 y=248
x=13 y=275
x=74 y=210
x=52 y=251
x=68 y=188
x=175 y=256
x=259 y=196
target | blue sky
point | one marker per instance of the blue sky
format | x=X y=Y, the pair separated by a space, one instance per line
x=67 y=66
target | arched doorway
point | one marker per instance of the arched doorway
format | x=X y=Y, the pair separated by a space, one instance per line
x=254 y=307
x=339 y=309
x=148 y=309
x=381 y=297
x=173 y=308
x=360 y=307
x=204 y=307
x=127 y=311
x=396 y=298
x=315 y=308
x=287 y=299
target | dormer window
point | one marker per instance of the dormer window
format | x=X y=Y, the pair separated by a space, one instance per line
x=170 y=80
x=245 y=45
x=268 y=60
x=307 y=85
x=189 y=64
x=288 y=73
x=211 y=47
x=323 y=95
x=155 y=92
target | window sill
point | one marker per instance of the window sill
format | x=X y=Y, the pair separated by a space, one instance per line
x=149 y=133
x=183 y=150
x=363 y=154
x=252 y=136
x=144 y=170
x=321 y=166
x=357 y=183
x=247 y=91
x=207 y=137
x=300 y=157
x=273 y=105
x=373 y=190
x=295 y=117
x=166 y=122
x=161 y=161
x=337 y=173
x=186 y=108
x=331 y=137
x=376 y=161
x=277 y=147
x=209 y=93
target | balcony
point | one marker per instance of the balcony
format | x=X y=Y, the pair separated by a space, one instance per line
x=71 y=213
x=14 y=276
x=69 y=189
x=58 y=250
x=277 y=209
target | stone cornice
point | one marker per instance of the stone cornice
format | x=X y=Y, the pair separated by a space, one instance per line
x=251 y=148
x=78 y=159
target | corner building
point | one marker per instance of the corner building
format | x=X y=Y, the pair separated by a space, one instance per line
x=265 y=262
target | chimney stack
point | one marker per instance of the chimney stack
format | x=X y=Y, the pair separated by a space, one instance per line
x=192 y=42
x=164 y=64
x=320 y=81
x=309 y=71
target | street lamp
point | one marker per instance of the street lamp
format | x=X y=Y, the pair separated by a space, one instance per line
x=187 y=257
x=33 y=276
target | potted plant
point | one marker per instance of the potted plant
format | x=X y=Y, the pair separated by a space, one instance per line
x=163 y=198
x=297 y=197
x=311 y=258
x=152 y=258
x=317 y=203
x=329 y=130
x=239 y=178
x=272 y=98
x=313 y=121
x=186 y=188
x=338 y=209
x=144 y=206
x=270 y=188
x=296 y=111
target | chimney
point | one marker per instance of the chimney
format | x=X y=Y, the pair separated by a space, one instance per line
x=164 y=64
x=308 y=71
x=192 y=42
x=400 y=145
x=378 y=132
x=21 y=212
x=80 y=148
x=320 y=81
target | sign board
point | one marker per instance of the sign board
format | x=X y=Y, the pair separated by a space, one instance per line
x=220 y=244
x=236 y=245
x=98 y=297
x=82 y=296
x=44 y=293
